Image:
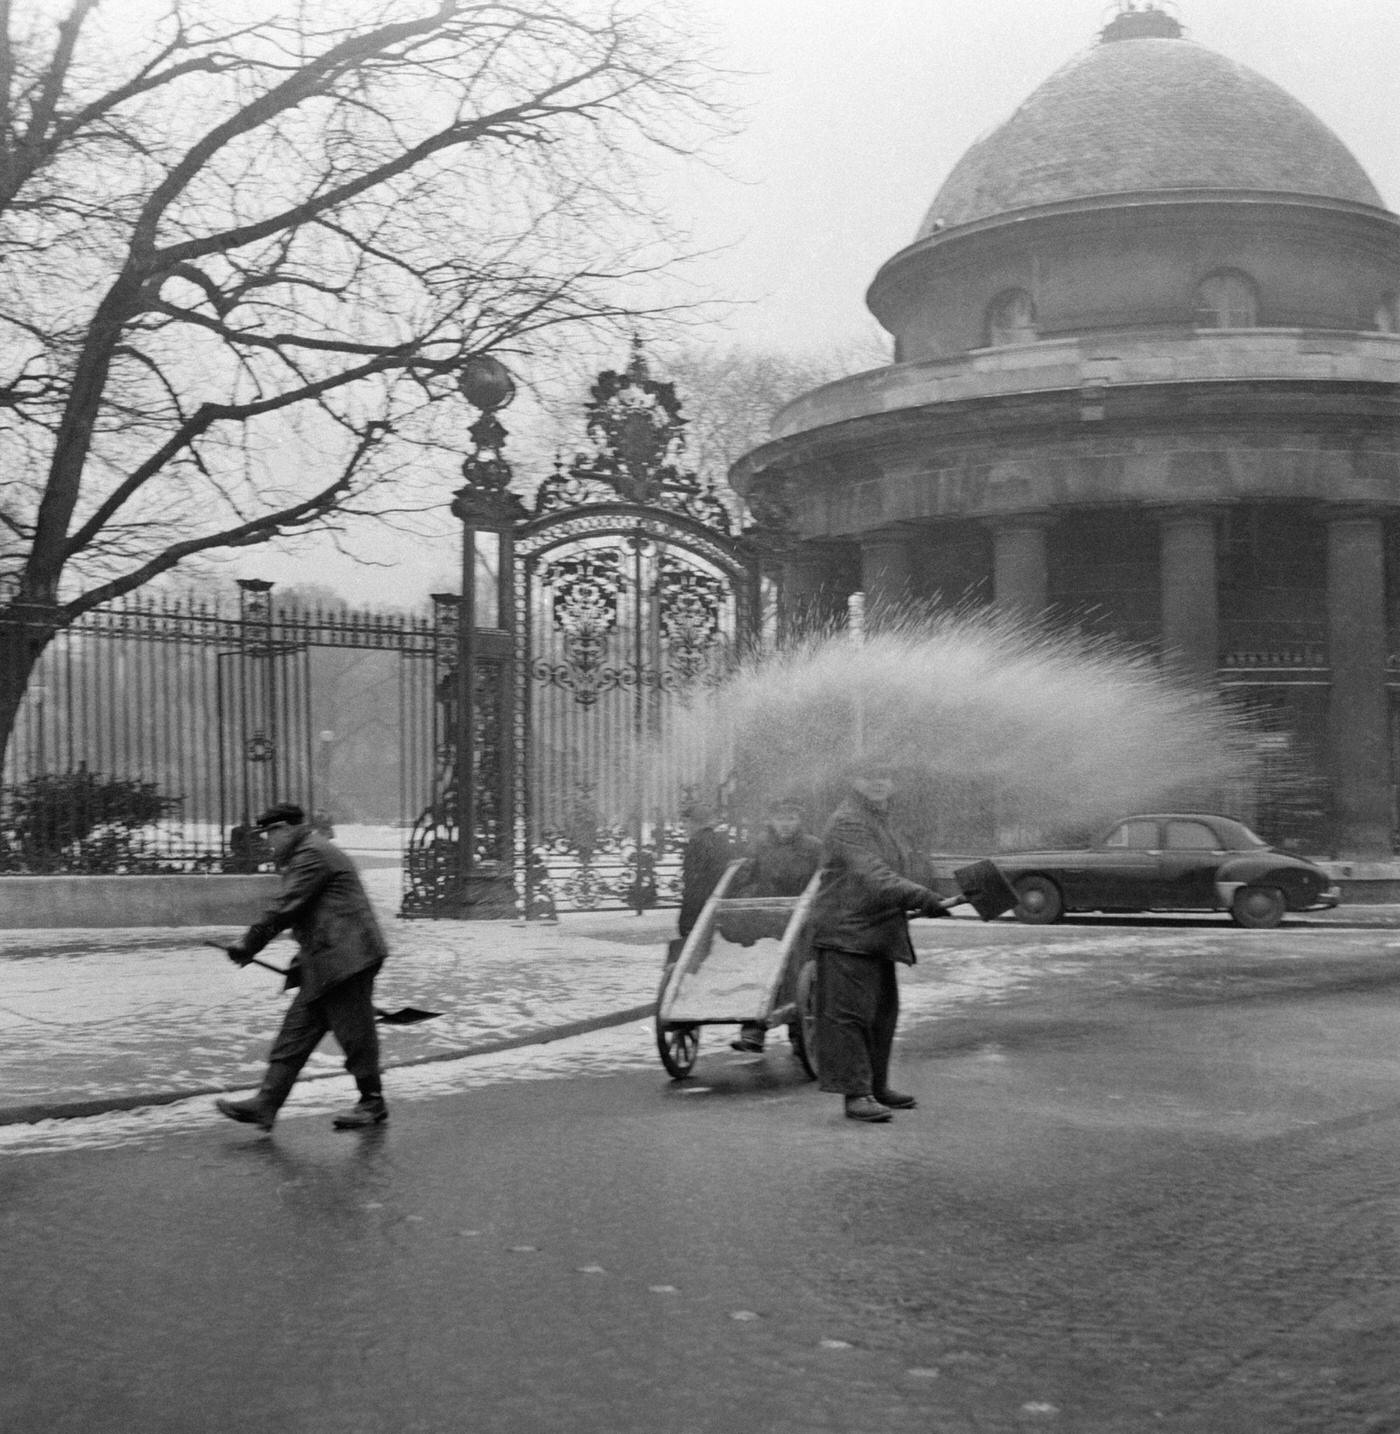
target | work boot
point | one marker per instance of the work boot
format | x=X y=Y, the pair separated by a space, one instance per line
x=865 y=1107
x=896 y=1100
x=257 y=1110
x=369 y=1110
x=749 y=1039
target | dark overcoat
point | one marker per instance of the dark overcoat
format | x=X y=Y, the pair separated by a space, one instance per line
x=703 y=862
x=868 y=885
x=780 y=866
x=324 y=904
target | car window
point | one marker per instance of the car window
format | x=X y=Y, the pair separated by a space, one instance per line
x=1137 y=835
x=1190 y=836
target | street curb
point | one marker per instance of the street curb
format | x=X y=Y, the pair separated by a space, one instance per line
x=78 y=1109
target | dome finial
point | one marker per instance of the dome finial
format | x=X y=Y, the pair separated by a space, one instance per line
x=1141 y=20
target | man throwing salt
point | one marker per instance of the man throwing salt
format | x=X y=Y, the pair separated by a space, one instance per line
x=860 y=929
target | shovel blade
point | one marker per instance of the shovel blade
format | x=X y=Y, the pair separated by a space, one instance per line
x=404 y=1016
x=985 y=889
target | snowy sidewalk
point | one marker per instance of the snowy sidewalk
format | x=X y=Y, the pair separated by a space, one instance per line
x=93 y=1020
x=103 y=1018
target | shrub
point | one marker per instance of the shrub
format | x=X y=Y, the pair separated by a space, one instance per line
x=78 y=821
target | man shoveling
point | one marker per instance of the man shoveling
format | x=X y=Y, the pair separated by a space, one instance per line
x=341 y=951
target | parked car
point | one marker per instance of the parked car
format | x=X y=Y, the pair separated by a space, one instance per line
x=1170 y=861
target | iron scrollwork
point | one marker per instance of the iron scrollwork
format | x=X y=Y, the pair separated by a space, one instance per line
x=691 y=610
x=638 y=433
x=586 y=591
x=431 y=866
x=593 y=864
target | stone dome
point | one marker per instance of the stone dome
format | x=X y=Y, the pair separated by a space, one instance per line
x=1143 y=115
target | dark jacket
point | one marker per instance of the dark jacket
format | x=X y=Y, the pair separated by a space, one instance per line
x=324 y=904
x=867 y=885
x=703 y=862
x=779 y=867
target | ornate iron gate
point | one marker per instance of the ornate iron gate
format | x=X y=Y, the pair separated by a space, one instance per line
x=622 y=589
x=623 y=611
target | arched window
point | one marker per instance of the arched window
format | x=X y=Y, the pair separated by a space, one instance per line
x=1227 y=301
x=1011 y=319
x=1388 y=314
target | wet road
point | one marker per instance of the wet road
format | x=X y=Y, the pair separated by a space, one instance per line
x=1153 y=1183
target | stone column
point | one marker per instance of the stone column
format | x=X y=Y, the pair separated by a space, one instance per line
x=886 y=573
x=1190 y=592
x=1358 y=734
x=1020 y=569
x=815 y=584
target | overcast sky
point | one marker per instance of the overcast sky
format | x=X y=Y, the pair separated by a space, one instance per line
x=854 y=113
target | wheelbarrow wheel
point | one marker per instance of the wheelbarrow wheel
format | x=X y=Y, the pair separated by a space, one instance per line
x=802 y=1030
x=676 y=1042
x=678 y=1047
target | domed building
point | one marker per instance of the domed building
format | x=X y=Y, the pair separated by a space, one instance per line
x=1146 y=382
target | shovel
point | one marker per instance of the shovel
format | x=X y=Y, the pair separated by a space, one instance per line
x=983 y=887
x=404 y=1016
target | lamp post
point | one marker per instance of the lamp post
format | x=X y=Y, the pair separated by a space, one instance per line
x=486 y=507
x=39 y=694
x=324 y=800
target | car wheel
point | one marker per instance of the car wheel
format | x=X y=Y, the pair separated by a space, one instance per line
x=1038 y=901
x=1257 y=907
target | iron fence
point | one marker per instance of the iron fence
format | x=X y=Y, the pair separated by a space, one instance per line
x=154 y=728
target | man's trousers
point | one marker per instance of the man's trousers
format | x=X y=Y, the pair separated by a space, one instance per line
x=857 y=1011
x=346 y=1010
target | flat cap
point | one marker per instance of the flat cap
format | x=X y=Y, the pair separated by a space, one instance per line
x=287 y=812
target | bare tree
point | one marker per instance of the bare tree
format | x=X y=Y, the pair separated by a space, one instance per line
x=732 y=395
x=245 y=258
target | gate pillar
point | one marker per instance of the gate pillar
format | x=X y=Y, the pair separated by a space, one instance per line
x=462 y=853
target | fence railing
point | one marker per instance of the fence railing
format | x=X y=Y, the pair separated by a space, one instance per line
x=154 y=728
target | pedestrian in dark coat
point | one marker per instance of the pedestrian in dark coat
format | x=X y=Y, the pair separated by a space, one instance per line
x=782 y=862
x=783 y=859
x=704 y=860
x=860 y=929
x=341 y=949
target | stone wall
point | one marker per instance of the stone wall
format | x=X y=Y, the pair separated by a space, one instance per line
x=97 y=902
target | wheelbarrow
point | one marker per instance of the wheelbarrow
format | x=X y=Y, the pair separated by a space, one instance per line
x=750 y=960
x=738 y=966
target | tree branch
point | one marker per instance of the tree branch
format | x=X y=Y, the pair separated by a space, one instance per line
x=254 y=531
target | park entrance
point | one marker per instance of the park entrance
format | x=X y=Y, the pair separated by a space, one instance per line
x=620 y=592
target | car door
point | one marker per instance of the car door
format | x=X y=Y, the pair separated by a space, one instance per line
x=1123 y=871
x=1186 y=865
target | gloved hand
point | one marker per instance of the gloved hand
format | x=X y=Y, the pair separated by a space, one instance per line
x=933 y=906
x=238 y=954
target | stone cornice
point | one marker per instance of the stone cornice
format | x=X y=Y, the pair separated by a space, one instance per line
x=1157 y=447
x=865 y=445
x=989 y=385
